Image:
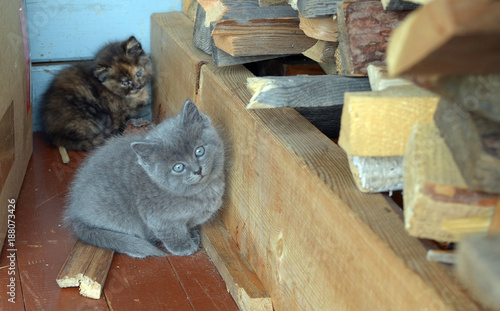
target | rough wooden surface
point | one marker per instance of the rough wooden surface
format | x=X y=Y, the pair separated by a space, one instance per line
x=379 y=79
x=435 y=190
x=379 y=123
x=463 y=40
x=325 y=29
x=377 y=174
x=474 y=143
x=242 y=283
x=75 y=265
x=201 y=35
x=302 y=91
x=317 y=8
x=364 y=31
x=363 y=241
x=92 y=283
x=256 y=31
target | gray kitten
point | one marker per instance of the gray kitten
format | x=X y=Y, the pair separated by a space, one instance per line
x=138 y=190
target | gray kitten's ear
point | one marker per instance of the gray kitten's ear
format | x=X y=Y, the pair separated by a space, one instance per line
x=132 y=46
x=190 y=113
x=101 y=72
x=144 y=151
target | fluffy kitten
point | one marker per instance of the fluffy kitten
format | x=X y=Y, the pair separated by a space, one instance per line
x=91 y=101
x=138 y=190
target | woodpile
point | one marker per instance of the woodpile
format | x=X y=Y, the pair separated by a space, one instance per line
x=413 y=99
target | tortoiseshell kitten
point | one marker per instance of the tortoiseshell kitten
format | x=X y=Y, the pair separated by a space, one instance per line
x=92 y=101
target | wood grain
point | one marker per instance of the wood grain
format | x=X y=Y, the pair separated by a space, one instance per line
x=435 y=190
x=325 y=29
x=463 y=40
x=378 y=123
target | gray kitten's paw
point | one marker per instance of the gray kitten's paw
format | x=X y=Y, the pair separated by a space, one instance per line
x=195 y=235
x=185 y=248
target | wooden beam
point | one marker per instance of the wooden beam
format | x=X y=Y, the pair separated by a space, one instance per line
x=435 y=190
x=379 y=79
x=254 y=31
x=317 y=8
x=474 y=142
x=302 y=91
x=87 y=266
x=379 y=123
x=398 y=5
x=242 y=283
x=463 y=40
x=364 y=30
x=276 y=225
x=325 y=29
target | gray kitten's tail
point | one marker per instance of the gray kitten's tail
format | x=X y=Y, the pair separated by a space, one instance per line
x=117 y=241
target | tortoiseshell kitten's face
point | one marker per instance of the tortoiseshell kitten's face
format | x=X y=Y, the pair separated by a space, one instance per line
x=124 y=68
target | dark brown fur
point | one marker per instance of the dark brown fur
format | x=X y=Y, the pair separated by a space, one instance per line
x=92 y=101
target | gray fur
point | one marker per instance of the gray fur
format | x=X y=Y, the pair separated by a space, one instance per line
x=126 y=196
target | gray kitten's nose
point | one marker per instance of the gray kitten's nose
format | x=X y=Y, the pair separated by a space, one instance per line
x=198 y=172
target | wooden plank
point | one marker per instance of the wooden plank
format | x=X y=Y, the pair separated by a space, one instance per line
x=398 y=5
x=189 y=8
x=256 y=31
x=473 y=141
x=379 y=124
x=379 y=79
x=435 y=190
x=242 y=283
x=463 y=40
x=325 y=29
x=273 y=3
x=204 y=287
x=377 y=174
x=364 y=31
x=302 y=91
x=42 y=243
x=75 y=265
x=92 y=282
x=322 y=52
x=317 y=8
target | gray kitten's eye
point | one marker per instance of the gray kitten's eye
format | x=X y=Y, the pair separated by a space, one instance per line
x=200 y=151
x=126 y=83
x=178 y=168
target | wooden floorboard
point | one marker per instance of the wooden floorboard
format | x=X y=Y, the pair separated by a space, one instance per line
x=173 y=283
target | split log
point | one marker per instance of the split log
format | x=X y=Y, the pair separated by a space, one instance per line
x=474 y=142
x=435 y=190
x=380 y=81
x=463 y=40
x=317 y=8
x=302 y=91
x=398 y=5
x=241 y=281
x=201 y=35
x=261 y=31
x=87 y=266
x=323 y=52
x=377 y=174
x=364 y=30
x=325 y=29
x=379 y=123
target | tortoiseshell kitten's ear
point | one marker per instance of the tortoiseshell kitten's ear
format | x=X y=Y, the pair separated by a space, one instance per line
x=133 y=47
x=101 y=72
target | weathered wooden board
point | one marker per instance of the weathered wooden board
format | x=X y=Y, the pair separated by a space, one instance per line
x=302 y=91
x=201 y=34
x=435 y=190
x=379 y=123
x=252 y=31
x=364 y=31
x=463 y=40
x=242 y=283
x=325 y=29
x=474 y=142
x=317 y=8
x=277 y=225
